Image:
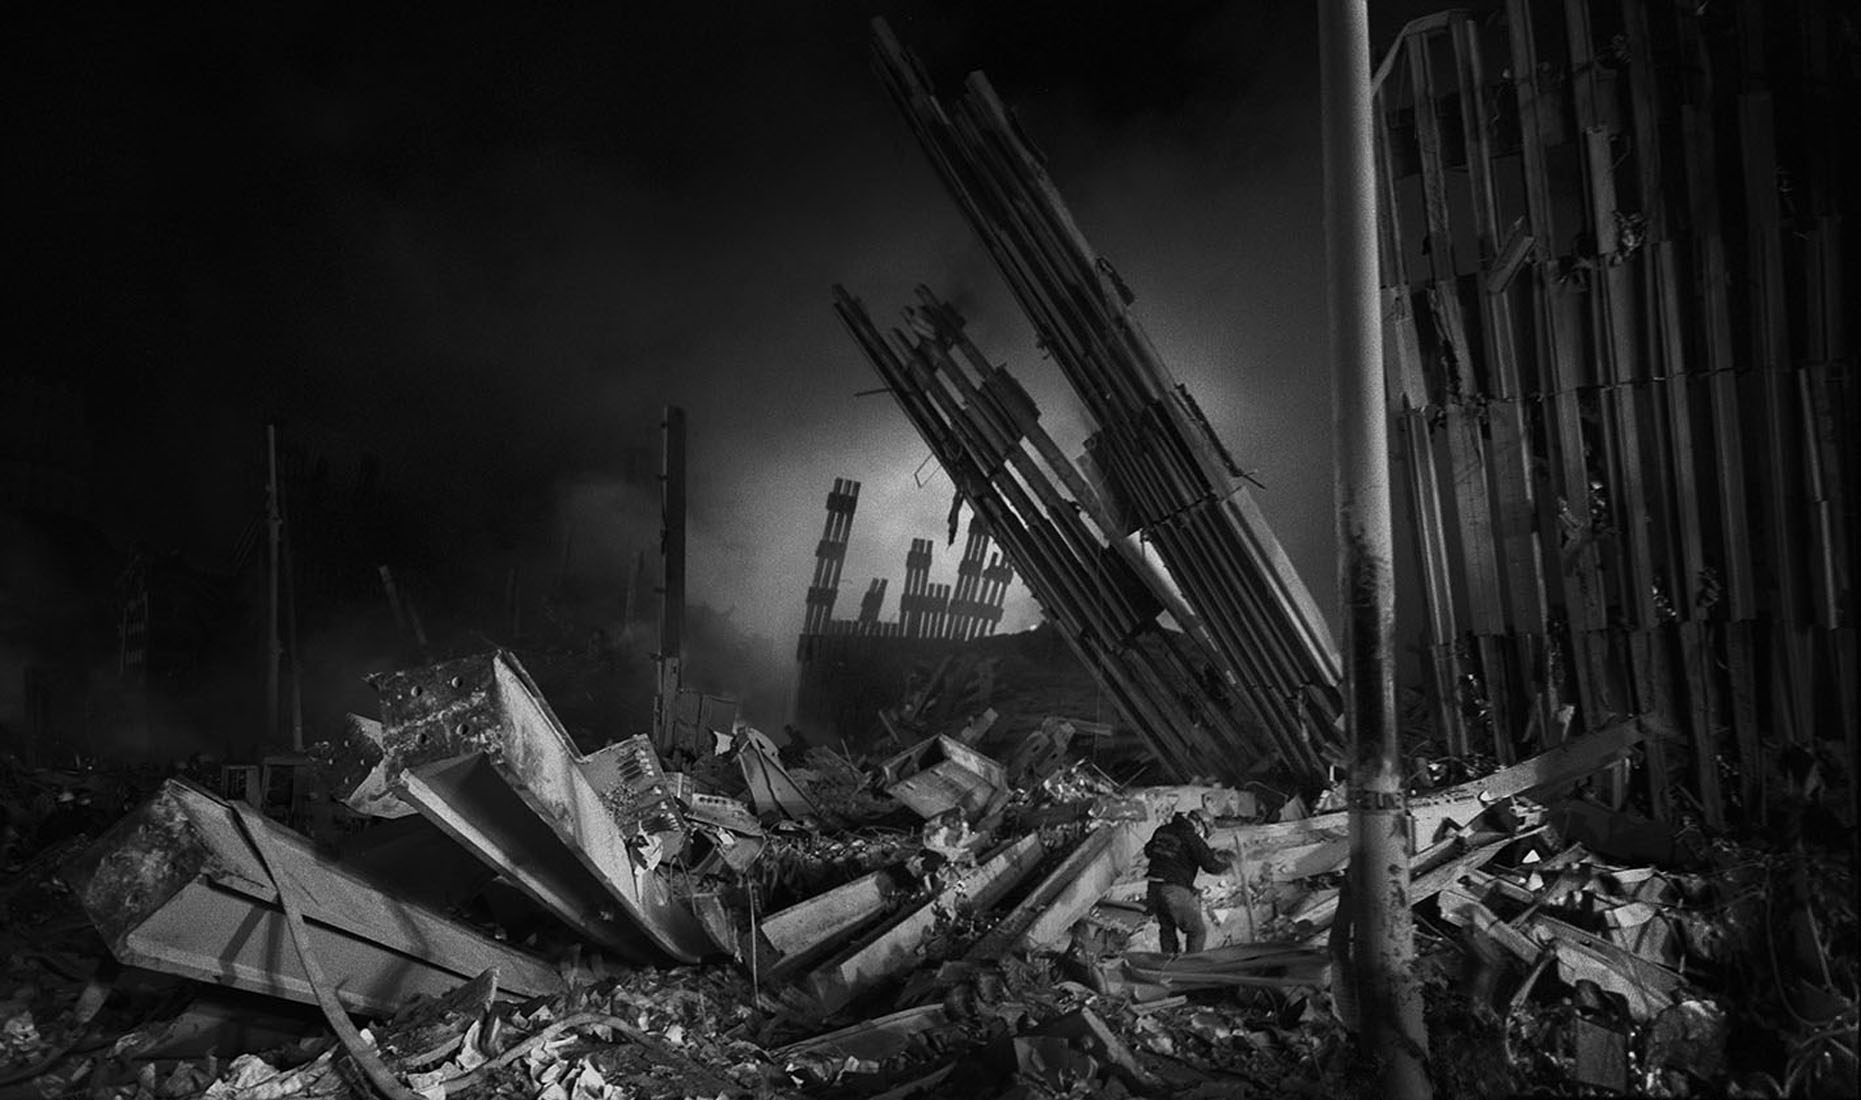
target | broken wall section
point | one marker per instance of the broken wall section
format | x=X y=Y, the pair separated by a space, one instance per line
x=1622 y=384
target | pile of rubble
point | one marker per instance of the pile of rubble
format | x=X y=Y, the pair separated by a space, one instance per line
x=935 y=923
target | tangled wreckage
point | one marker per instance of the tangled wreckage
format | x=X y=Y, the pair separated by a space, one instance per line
x=809 y=889
x=1624 y=679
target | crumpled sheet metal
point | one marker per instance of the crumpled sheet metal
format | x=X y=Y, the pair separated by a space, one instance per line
x=475 y=747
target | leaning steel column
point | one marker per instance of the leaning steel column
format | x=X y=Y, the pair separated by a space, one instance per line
x=1382 y=944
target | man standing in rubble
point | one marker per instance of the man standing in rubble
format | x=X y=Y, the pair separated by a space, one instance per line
x=1176 y=851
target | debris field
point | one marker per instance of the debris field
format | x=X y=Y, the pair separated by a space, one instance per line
x=1628 y=783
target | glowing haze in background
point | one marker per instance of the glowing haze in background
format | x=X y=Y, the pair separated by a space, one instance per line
x=489 y=245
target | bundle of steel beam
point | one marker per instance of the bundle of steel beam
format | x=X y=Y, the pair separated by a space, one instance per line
x=1165 y=472
x=1628 y=444
x=1088 y=580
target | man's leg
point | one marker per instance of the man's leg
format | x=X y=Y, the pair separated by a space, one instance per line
x=1185 y=909
x=1166 y=924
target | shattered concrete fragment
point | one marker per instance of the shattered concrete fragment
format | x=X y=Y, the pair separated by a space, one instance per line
x=981 y=724
x=941 y=774
x=177 y=887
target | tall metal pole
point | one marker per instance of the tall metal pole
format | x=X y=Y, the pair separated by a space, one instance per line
x=291 y=634
x=672 y=605
x=274 y=643
x=1382 y=941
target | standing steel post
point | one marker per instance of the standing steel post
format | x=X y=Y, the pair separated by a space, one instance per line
x=290 y=630
x=1382 y=935
x=274 y=642
x=671 y=657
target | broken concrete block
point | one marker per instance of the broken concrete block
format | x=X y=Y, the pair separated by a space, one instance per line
x=177 y=887
x=978 y=726
x=941 y=774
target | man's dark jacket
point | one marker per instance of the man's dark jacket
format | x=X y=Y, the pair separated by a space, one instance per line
x=1176 y=850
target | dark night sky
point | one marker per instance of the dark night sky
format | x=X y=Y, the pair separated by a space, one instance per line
x=489 y=244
